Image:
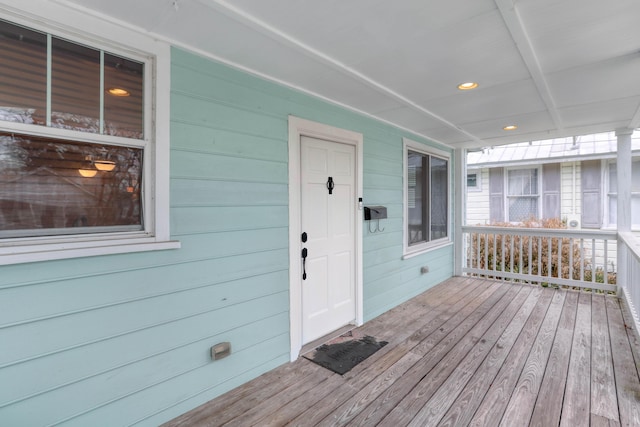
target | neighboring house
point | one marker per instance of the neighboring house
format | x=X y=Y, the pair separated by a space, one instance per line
x=569 y=178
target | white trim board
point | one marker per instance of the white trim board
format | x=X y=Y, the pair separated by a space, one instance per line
x=297 y=128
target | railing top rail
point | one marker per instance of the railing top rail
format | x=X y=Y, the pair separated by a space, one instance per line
x=546 y=232
x=632 y=241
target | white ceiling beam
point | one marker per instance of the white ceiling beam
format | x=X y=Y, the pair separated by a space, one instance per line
x=523 y=43
x=251 y=21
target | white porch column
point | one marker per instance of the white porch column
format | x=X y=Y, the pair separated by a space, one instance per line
x=624 y=164
x=624 y=179
x=459 y=200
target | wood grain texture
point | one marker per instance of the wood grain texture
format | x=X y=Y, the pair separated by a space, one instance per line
x=465 y=405
x=495 y=401
x=523 y=398
x=577 y=397
x=626 y=373
x=604 y=402
x=548 y=406
x=467 y=352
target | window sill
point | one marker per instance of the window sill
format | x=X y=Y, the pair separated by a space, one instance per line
x=424 y=250
x=21 y=254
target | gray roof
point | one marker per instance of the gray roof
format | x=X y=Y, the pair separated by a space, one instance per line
x=596 y=146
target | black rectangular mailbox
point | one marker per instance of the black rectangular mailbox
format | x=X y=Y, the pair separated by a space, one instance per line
x=374 y=212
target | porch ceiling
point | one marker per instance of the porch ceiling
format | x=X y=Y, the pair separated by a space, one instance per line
x=552 y=68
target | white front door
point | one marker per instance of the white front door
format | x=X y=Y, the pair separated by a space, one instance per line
x=328 y=209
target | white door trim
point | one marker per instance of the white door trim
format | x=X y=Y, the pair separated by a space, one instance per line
x=300 y=127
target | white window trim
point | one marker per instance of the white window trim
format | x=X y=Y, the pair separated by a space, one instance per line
x=414 y=250
x=76 y=23
x=606 y=184
x=506 y=191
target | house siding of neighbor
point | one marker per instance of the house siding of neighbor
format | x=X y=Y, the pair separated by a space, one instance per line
x=124 y=339
x=595 y=154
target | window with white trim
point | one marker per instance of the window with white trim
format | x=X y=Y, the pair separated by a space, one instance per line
x=474 y=181
x=426 y=192
x=76 y=148
x=523 y=194
x=612 y=194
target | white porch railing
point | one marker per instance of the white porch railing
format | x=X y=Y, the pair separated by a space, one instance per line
x=629 y=247
x=576 y=258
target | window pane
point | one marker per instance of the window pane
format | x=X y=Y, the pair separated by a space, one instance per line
x=123 y=114
x=75 y=97
x=42 y=191
x=522 y=208
x=613 y=178
x=613 y=209
x=23 y=74
x=416 y=164
x=472 y=180
x=523 y=182
x=439 y=188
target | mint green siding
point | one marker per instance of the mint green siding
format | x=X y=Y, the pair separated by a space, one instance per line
x=124 y=339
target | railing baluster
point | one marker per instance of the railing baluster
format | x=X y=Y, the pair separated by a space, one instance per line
x=605 y=273
x=530 y=271
x=559 y=258
x=593 y=260
x=549 y=257
x=520 y=269
x=571 y=243
x=502 y=238
x=582 y=260
x=540 y=256
x=495 y=250
x=511 y=243
x=486 y=251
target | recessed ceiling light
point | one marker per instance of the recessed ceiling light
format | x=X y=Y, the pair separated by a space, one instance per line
x=510 y=127
x=467 y=85
x=118 y=91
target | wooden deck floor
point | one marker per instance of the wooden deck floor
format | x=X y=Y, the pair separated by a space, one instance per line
x=467 y=352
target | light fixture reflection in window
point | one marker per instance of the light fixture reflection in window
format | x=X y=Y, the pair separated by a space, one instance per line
x=105 y=165
x=118 y=91
x=88 y=173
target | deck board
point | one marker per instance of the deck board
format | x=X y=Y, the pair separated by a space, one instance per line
x=466 y=352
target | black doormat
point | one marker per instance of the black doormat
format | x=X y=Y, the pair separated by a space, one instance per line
x=340 y=355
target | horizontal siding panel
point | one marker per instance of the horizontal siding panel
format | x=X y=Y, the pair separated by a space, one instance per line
x=194 y=192
x=108 y=290
x=190 y=220
x=188 y=164
x=377 y=196
x=205 y=380
x=194 y=248
x=187 y=340
x=407 y=284
x=60 y=333
x=200 y=112
x=203 y=139
x=381 y=166
x=147 y=400
x=382 y=181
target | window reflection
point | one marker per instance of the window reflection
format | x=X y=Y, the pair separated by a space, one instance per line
x=43 y=193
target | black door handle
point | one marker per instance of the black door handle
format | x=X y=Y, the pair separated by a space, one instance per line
x=330 y=185
x=304 y=261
